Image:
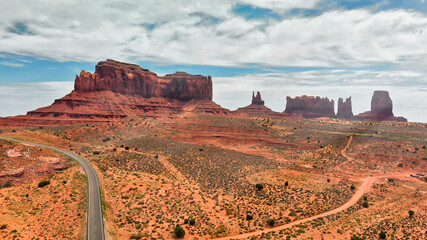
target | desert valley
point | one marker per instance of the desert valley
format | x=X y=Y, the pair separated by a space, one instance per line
x=172 y=163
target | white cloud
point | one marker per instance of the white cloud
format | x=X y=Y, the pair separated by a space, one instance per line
x=19 y=98
x=207 y=32
x=12 y=64
x=281 y=6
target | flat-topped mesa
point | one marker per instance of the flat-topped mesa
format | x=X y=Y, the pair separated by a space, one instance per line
x=184 y=86
x=310 y=106
x=257 y=100
x=345 y=109
x=381 y=109
x=131 y=79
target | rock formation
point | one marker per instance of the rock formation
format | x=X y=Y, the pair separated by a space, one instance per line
x=120 y=90
x=257 y=108
x=310 y=107
x=257 y=100
x=381 y=109
x=130 y=79
x=344 y=108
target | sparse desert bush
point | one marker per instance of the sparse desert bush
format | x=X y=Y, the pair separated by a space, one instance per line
x=96 y=152
x=192 y=222
x=271 y=222
x=4 y=226
x=44 y=183
x=6 y=184
x=179 y=232
x=365 y=204
x=411 y=213
x=354 y=237
x=249 y=217
x=136 y=236
x=259 y=186
x=382 y=235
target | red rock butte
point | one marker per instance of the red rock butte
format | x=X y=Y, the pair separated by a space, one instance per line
x=345 y=109
x=257 y=109
x=119 y=90
x=310 y=107
x=381 y=109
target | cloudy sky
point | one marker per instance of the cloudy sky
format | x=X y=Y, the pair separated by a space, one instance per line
x=333 y=48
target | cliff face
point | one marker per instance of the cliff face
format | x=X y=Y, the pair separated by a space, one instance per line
x=130 y=79
x=345 y=109
x=310 y=107
x=381 y=109
x=119 y=90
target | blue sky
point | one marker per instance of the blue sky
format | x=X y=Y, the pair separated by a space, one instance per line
x=333 y=48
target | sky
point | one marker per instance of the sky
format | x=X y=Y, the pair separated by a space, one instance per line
x=327 y=48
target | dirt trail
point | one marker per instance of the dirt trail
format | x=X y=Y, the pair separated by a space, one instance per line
x=344 y=151
x=367 y=182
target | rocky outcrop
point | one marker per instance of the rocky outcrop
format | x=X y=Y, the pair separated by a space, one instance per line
x=345 y=109
x=131 y=79
x=381 y=109
x=120 y=90
x=257 y=108
x=256 y=100
x=310 y=107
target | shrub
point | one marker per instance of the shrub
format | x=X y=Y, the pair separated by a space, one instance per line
x=400 y=165
x=259 y=186
x=6 y=184
x=136 y=236
x=44 y=183
x=354 y=237
x=192 y=222
x=96 y=152
x=249 y=217
x=352 y=187
x=127 y=148
x=382 y=235
x=411 y=213
x=271 y=222
x=179 y=232
x=365 y=204
x=4 y=226
x=286 y=184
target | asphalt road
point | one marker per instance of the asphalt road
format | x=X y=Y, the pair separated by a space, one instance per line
x=95 y=227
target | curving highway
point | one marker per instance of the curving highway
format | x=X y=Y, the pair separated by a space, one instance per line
x=95 y=228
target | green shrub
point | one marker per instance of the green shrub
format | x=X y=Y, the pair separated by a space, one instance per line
x=365 y=204
x=354 y=237
x=4 y=226
x=249 y=217
x=6 y=184
x=411 y=213
x=127 y=148
x=259 y=186
x=192 y=222
x=179 y=232
x=44 y=183
x=96 y=152
x=271 y=222
x=136 y=236
x=382 y=235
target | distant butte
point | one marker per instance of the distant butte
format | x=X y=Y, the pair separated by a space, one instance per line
x=381 y=109
x=310 y=107
x=257 y=108
x=344 y=109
